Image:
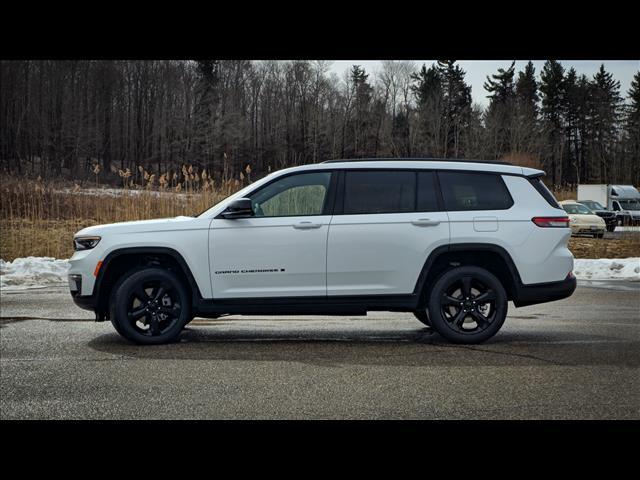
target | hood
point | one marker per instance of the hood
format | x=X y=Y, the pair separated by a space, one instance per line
x=157 y=225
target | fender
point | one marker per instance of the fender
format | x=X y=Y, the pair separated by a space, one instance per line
x=197 y=295
x=461 y=247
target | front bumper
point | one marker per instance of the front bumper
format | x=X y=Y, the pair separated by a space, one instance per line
x=580 y=229
x=86 y=302
x=545 y=292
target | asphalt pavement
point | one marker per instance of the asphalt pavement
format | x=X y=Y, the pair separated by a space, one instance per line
x=577 y=358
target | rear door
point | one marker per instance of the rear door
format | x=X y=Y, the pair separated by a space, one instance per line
x=385 y=224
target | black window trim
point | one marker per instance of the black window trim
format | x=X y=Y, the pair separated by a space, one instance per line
x=499 y=175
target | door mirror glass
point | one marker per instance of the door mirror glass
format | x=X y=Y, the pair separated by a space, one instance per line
x=239 y=208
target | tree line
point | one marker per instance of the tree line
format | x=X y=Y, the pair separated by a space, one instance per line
x=62 y=118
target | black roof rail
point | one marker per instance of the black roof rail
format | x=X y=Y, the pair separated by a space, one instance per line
x=461 y=160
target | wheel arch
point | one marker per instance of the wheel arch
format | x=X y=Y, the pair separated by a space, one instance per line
x=491 y=257
x=123 y=260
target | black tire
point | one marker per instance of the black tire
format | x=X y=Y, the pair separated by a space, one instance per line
x=611 y=228
x=452 y=312
x=600 y=235
x=150 y=306
x=423 y=316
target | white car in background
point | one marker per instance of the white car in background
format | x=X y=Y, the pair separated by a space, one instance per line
x=582 y=220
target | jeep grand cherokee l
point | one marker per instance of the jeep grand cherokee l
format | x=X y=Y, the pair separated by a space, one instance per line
x=450 y=241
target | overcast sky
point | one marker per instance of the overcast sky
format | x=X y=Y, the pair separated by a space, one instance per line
x=477 y=70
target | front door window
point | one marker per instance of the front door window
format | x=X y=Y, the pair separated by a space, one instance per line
x=296 y=195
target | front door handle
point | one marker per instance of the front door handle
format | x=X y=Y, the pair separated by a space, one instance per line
x=425 y=222
x=306 y=225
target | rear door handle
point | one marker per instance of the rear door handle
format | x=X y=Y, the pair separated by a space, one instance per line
x=306 y=225
x=425 y=222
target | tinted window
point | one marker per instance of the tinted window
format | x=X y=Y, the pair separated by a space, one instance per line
x=295 y=195
x=379 y=192
x=427 y=201
x=542 y=189
x=474 y=191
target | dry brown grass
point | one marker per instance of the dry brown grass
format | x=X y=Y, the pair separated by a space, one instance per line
x=628 y=245
x=40 y=219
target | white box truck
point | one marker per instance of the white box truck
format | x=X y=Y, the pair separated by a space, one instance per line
x=624 y=200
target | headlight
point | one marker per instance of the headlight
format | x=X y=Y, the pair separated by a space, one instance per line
x=85 y=243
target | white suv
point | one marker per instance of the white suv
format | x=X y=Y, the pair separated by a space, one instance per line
x=450 y=241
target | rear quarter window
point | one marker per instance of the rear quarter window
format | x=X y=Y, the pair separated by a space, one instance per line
x=463 y=191
x=542 y=189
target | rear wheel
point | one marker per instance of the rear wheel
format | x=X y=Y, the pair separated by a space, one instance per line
x=151 y=306
x=467 y=305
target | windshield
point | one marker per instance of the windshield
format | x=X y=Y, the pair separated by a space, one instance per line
x=630 y=204
x=576 y=209
x=593 y=205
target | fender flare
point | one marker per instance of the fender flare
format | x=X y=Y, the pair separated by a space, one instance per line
x=461 y=247
x=197 y=295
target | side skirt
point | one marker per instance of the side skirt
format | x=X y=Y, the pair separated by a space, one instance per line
x=338 y=305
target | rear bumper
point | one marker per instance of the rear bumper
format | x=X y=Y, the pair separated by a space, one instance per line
x=545 y=292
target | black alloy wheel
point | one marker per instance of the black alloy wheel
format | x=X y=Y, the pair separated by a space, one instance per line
x=151 y=306
x=467 y=305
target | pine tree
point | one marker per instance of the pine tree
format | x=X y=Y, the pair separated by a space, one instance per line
x=605 y=114
x=500 y=85
x=362 y=104
x=574 y=108
x=527 y=89
x=427 y=91
x=500 y=113
x=428 y=85
x=553 y=93
x=457 y=106
x=632 y=122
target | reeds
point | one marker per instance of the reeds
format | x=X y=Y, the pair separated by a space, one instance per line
x=39 y=218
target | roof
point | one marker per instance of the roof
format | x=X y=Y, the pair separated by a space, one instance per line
x=426 y=163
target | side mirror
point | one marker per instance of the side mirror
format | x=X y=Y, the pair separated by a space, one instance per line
x=239 y=208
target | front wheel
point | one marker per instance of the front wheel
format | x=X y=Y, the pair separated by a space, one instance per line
x=467 y=305
x=150 y=307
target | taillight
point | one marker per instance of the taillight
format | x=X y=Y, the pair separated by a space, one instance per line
x=551 y=222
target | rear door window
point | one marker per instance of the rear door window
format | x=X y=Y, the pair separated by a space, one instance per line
x=474 y=191
x=379 y=192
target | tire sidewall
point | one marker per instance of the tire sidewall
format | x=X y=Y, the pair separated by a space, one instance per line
x=439 y=323
x=119 y=307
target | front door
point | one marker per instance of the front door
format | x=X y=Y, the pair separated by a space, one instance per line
x=279 y=252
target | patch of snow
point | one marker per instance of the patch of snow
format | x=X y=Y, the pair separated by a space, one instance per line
x=607 y=268
x=627 y=229
x=38 y=272
x=32 y=272
x=119 y=192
